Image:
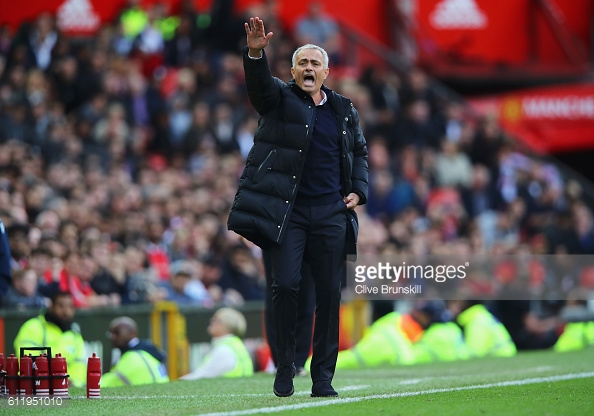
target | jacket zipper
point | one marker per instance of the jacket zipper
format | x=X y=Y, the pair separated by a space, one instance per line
x=309 y=128
x=264 y=163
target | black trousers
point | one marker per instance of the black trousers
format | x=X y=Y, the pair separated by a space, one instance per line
x=316 y=234
x=306 y=303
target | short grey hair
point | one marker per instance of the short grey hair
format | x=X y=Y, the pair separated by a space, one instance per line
x=310 y=46
x=233 y=320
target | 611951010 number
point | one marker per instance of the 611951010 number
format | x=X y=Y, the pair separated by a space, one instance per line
x=35 y=401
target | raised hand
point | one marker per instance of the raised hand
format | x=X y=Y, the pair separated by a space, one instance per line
x=257 y=38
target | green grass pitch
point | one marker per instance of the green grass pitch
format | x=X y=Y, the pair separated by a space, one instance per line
x=534 y=383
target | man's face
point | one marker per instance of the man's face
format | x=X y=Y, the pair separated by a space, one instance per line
x=309 y=71
x=63 y=309
x=179 y=281
x=120 y=335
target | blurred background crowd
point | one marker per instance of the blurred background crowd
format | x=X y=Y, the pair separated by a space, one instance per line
x=120 y=155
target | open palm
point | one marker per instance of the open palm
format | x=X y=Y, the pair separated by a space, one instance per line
x=257 y=38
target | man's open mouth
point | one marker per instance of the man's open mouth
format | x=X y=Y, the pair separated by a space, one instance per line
x=308 y=80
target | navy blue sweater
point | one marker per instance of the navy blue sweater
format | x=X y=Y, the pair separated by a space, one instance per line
x=320 y=180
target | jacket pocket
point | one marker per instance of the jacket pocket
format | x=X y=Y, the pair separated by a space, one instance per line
x=265 y=166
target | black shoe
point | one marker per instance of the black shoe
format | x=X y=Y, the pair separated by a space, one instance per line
x=283 y=383
x=323 y=389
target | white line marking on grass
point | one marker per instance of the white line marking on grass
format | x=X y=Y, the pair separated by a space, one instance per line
x=159 y=397
x=413 y=381
x=457 y=376
x=351 y=388
x=155 y=397
x=321 y=402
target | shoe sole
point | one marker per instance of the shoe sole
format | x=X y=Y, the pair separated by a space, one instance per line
x=324 y=395
x=284 y=395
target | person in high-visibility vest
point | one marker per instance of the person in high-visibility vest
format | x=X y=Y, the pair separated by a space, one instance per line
x=483 y=333
x=390 y=340
x=133 y=19
x=576 y=336
x=141 y=361
x=228 y=356
x=56 y=329
x=442 y=341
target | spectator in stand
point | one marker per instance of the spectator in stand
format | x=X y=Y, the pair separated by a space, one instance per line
x=68 y=83
x=245 y=135
x=487 y=144
x=174 y=289
x=140 y=280
x=40 y=261
x=416 y=128
x=156 y=249
x=23 y=293
x=143 y=102
x=113 y=128
x=318 y=28
x=223 y=34
x=452 y=167
x=133 y=19
x=102 y=281
x=417 y=86
x=149 y=44
x=481 y=196
x=185 y=287
x=42 y=39
x=225 y=129
x=17 y=237
x=68 y=234
x=388 y=196
x=241 y=273
x=584 y=228
x=200 y=134
x=179 y=107
x=178 y=49
x=65 y=278
x=384 y=87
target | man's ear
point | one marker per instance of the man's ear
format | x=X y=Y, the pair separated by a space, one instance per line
x=326 y=72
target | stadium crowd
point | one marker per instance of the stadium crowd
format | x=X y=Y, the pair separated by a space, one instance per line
x=120 y=155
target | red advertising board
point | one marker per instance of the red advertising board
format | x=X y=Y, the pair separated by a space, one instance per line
x=547 y=119
x=85 y=16
x=483 y=37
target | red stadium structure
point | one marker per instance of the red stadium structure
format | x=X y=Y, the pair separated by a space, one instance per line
x=468 y=42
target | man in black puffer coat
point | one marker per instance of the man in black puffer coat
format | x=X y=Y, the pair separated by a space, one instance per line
x=304 y=176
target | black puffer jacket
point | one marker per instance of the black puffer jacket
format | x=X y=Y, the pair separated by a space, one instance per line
x=268 y=184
